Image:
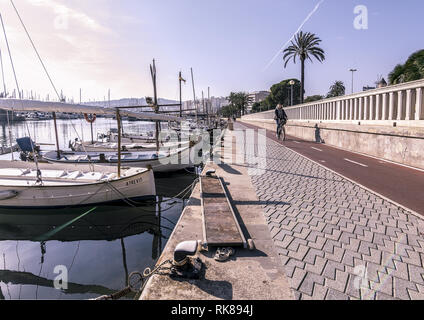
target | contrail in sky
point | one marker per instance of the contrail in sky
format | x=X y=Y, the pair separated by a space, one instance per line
x=300 y=28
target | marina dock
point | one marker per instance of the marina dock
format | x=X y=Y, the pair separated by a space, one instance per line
x=248 y=274
x=315 y=232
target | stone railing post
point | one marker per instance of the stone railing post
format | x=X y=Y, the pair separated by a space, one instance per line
x=400 y=106
x=366 y=113
x=419 y=104
x=391 y=105
x=378 y=107
x=384 y=110
x=408 y=105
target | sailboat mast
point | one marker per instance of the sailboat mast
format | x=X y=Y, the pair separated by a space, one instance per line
x=208 y=105
x=56 y=135
x=118 y=119
x=194 y=93
x=181 y=98
x=155 y=101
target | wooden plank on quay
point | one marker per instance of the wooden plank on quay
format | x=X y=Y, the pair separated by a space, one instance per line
x=220 y=226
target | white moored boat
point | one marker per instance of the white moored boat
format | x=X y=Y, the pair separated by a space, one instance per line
x=113 y=146
x=162 y=161
x=69 y=185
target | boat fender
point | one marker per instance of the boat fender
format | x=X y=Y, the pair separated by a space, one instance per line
x=8 y=194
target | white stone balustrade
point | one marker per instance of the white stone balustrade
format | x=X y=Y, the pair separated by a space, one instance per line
x=398 y=103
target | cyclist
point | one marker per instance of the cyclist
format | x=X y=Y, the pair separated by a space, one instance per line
x=281 y=120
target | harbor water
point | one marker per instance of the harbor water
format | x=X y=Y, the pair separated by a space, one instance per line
x=43 y=132
x=96 y=248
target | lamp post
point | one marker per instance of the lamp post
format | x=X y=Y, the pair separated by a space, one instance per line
x=291 y=83
x=352 y=70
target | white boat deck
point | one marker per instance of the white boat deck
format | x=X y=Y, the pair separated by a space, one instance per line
x=27 y=177
x=110 y=157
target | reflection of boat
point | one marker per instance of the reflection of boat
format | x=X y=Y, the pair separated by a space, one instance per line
x=27 y=278
x=101 y=224
x=22 y=186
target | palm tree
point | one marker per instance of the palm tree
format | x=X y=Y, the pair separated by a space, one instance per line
x=337 y=89
x=304 y=46
x=397 y=75
x=240 y=100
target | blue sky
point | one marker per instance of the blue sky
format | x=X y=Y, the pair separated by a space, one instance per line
x=104 y=44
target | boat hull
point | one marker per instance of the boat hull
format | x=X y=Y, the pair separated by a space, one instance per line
x=138 y=184
x=186 y=158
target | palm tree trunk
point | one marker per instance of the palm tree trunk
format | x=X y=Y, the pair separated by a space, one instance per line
x=302 y=88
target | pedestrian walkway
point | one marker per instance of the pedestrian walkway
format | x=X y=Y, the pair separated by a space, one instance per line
x=335 y=239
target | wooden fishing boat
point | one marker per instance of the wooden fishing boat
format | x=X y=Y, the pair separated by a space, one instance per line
x=22 y=185
x=111 y=146
x=162 y=161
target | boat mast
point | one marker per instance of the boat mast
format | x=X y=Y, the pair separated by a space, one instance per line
x=194 y=94
x=208 y=105
x=118 y=119
x=57 y=136
x=180 y=78
x=155 y=102
x=203 y=104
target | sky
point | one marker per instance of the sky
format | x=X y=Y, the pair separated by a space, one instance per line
x=97 y=45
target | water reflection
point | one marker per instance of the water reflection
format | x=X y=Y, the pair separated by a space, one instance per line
x=99 y=250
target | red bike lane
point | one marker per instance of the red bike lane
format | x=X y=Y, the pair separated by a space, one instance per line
x=399 y=183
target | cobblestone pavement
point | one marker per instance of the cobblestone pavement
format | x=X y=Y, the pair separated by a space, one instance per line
x=336 y=239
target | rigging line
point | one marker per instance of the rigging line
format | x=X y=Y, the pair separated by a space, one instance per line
x=19 y=267
x=4 y=268
x=20 y=98
x=2 y=73
x=35 y=49
x=7 y=112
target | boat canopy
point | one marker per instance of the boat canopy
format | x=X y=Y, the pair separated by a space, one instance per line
x=51 y=106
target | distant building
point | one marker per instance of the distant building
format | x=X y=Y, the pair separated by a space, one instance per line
x=382 y=83
x=257 y=96
x=367 y=88
x=216 y=104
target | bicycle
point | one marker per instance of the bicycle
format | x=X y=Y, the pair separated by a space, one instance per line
x=281 y=130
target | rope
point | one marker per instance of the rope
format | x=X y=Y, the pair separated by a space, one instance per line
x=133 y=203
x=141 y=278
x=39 y=179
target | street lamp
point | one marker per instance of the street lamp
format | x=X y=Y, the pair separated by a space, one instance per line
x=291 y=83
x=352 y=70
